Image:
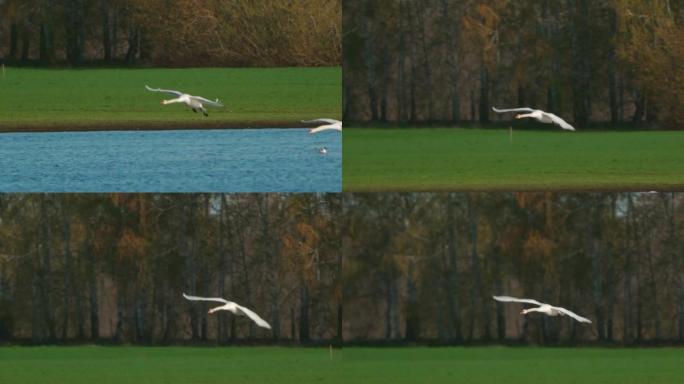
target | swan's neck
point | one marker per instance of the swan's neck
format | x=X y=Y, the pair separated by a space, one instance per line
x=526 y=311
x=171 y=101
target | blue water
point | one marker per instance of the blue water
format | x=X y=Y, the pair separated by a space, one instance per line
x=230 y=160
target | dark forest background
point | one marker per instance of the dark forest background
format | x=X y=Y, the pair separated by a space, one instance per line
x=607 y=62
x=196 y=33
x=358 y=268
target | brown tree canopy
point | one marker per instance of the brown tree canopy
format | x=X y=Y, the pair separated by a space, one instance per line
x=616 y=61
x=172 y=33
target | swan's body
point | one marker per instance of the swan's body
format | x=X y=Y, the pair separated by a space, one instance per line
x=539 y=115
x=546 y=309
x=232 y=307
x=193 y=102
x=327 y=125
x=323 y=151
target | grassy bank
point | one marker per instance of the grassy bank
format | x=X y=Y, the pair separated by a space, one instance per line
x=92 y=99
x=350 y=365
x=476 y=159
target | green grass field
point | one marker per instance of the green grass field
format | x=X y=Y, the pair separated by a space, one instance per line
x=69 y=99
x=351 y=365
x=477 y=159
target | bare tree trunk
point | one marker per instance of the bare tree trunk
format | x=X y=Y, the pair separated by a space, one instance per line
x=46 y=270
x=25 y=46
x=133 y=46
x=597 y=265
x=420 y=12
x=453 y=59
x=484 y=94
x=639 y=107
x=106 y=30
x=412 y=311
x=654 y=292
x=75 y=30
x=401 y=62
x=454 y=325
x=581 y=69
x=612 y=72
x=390 y=308
x=92 y=286
x=475 y=275
x=304 y=336
x=14 y=40
x=370 y=62
x=78 y=297
x=47 y=34
x=68 y=270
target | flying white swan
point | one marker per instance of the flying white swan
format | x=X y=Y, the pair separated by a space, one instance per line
x=539 y=115
x=232 y=307
x=327 y=124
x=194 y=102
x=546 y=309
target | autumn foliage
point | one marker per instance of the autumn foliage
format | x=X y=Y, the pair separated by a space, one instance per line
x=172 y=33
x=597 y=63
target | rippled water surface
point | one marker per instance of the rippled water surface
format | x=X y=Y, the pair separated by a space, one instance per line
x=230 y=160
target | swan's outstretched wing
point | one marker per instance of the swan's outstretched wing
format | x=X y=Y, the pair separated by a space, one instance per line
x=164 y=90
x=528 y=110
x=573 y=315
x=333 y=127
x=256 y=318
x=197 y=298
x=322 y=121
x=560 y=122
x=509 y=299
x=213 y=103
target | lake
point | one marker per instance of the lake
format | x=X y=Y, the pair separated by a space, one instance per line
x=228 y=160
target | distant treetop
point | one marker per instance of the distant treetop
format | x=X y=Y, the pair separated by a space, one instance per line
x=171 y=33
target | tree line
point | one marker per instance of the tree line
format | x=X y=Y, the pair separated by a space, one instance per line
x=171 y=33
x=450 y=61
x=113 y=267
x=354 y=268
x=431 y=263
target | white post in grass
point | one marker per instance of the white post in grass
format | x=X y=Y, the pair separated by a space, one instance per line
x=510 y=134
x=3 y=70
x=331 y=352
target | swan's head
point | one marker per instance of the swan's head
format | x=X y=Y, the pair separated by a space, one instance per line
x=523 y=312
x=518 y=116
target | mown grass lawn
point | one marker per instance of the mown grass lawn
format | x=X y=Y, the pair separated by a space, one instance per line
x=514 y=365
x=106 y=98
x=349 y=365
x=104 y=365
x=486 y=159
